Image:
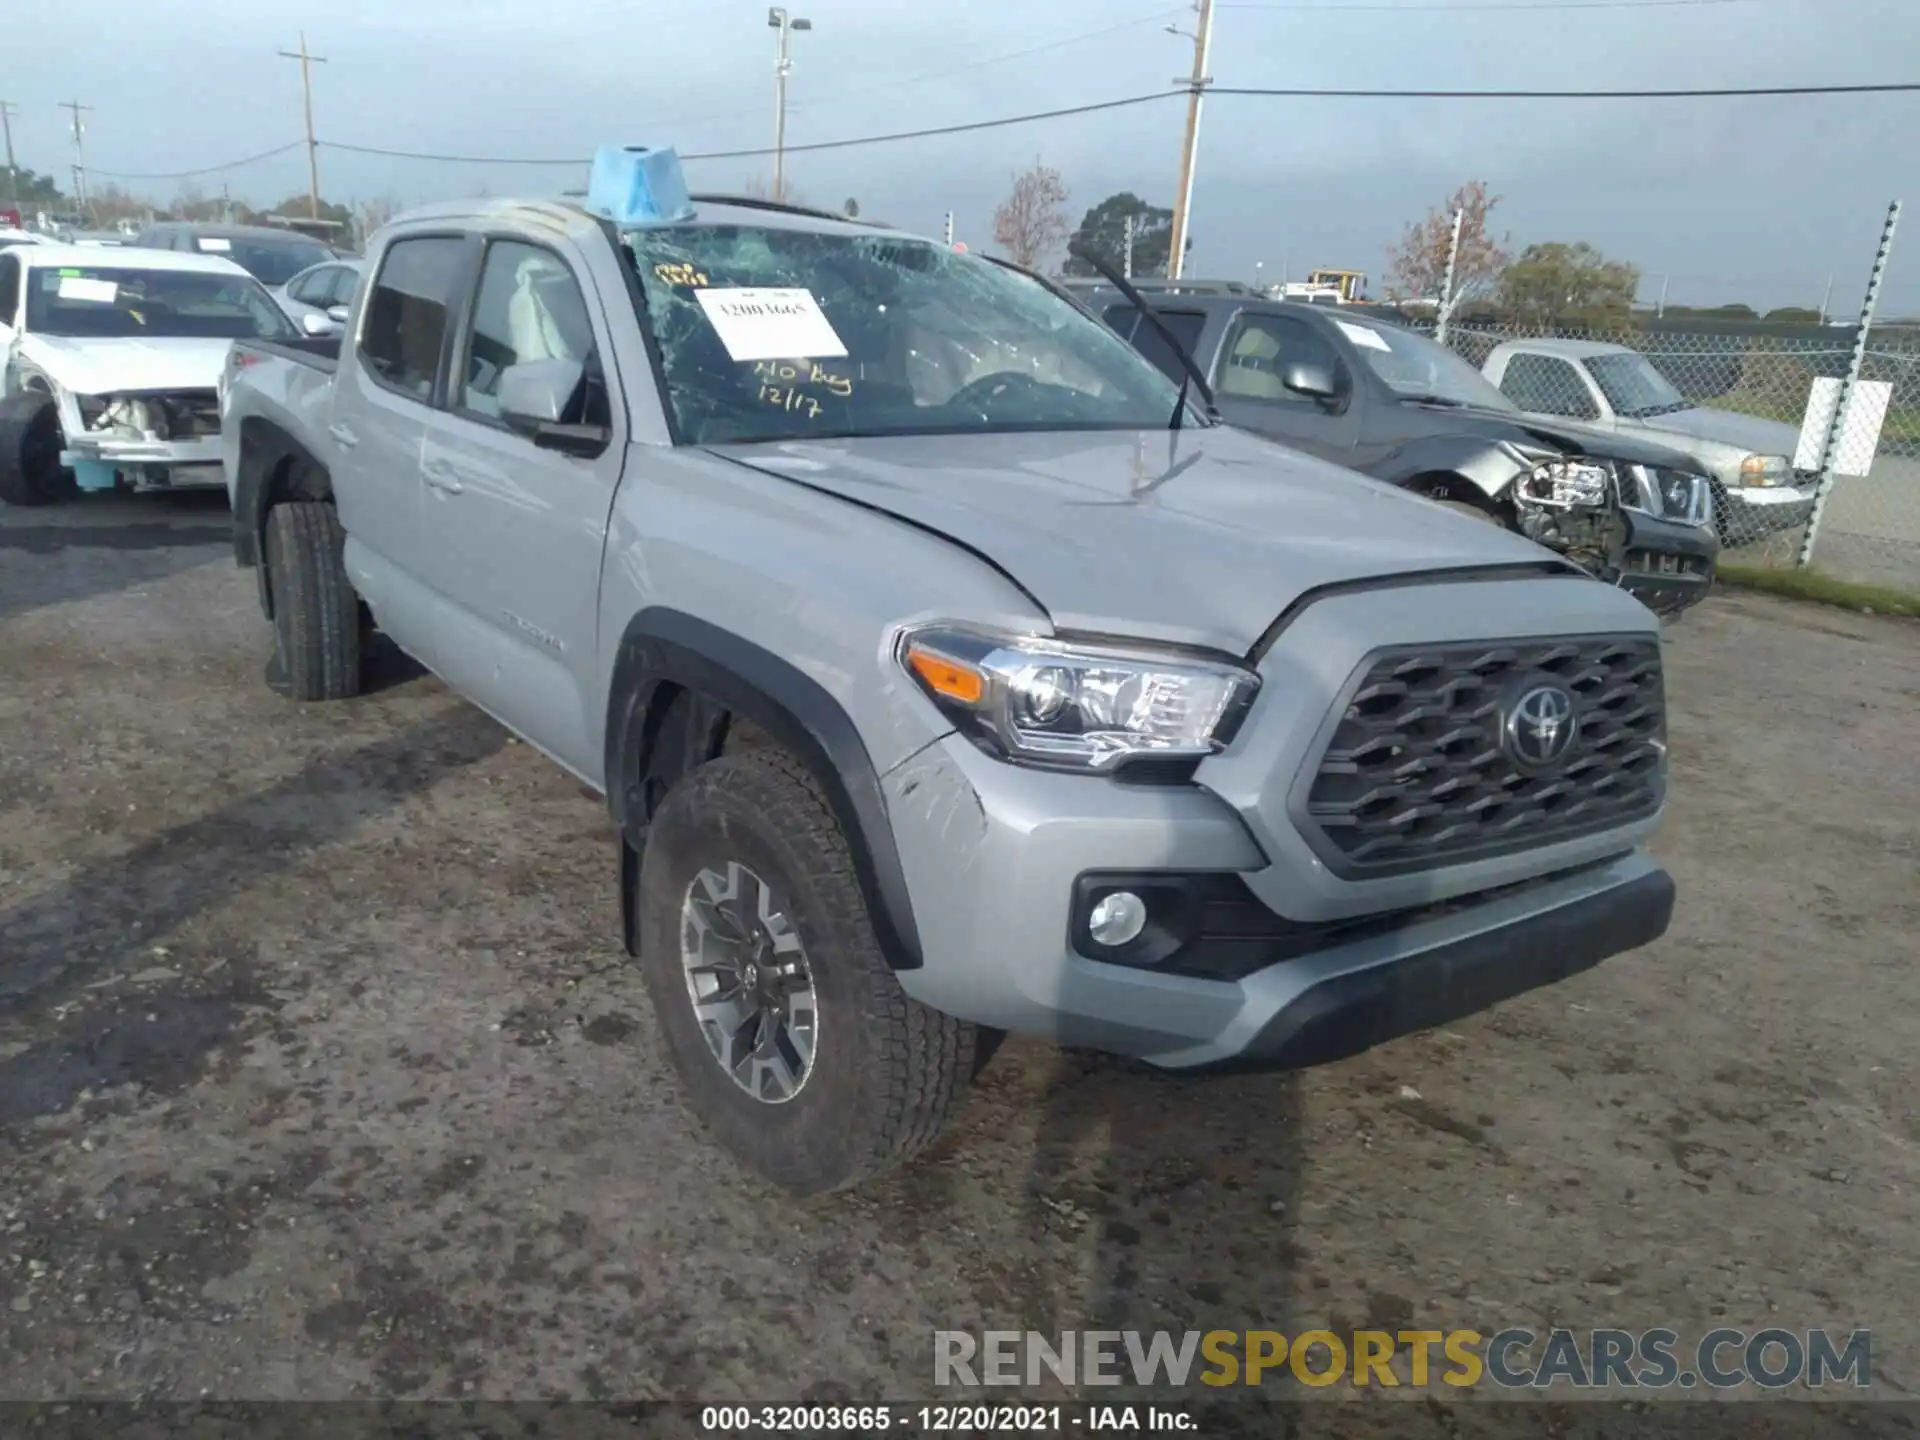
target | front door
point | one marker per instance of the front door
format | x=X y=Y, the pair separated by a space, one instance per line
x=1248 y=386
x=518 y=531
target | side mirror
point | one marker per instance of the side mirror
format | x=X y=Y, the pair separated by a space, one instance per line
x=315 y=325
x=534 y=394
x=337 y=314
x=1316 y=382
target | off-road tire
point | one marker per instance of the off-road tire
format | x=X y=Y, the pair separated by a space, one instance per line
x=30 y=472
x=316 y=615
x=887 y=1072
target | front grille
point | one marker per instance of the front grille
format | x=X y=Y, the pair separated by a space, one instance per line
x=191 y=414
x=1416 y=773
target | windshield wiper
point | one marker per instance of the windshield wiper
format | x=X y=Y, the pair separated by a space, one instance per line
x=1193 y=375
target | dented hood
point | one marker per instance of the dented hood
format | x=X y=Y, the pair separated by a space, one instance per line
x=1198 y=537
x=87 y=366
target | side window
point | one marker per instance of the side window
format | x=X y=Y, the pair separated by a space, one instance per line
x=1261 y=348
x=1186 y=325
x=407 y=312
x=1547 y=385
x=529 y=308
x=9 y=288
x=345 y=282
x=309 y=289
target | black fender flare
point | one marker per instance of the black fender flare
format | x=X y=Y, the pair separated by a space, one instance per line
x=665 y=652
x=1487 y=463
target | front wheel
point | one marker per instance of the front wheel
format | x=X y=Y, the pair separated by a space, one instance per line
x=30 y=472
x=790 y=1031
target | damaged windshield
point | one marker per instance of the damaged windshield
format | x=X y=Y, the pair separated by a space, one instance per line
x=110 y=302
x=767 y=333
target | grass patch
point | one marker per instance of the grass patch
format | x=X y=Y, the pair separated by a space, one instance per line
x=1798 y=584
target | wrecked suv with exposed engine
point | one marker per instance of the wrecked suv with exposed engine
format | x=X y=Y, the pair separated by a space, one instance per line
x=944 y=672
x=109 y=362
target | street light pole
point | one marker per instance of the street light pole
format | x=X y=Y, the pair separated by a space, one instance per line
x=1196 y=86
x=779 y=19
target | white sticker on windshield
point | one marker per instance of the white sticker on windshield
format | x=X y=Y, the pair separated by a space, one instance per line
x=82 y=287
x=215 y=242
x=1364 y=335
x=763 y=324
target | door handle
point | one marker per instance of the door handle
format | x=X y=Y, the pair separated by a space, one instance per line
x=439 y=474
x=343 y=435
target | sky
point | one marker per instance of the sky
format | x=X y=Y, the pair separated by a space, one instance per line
x=1756 y=200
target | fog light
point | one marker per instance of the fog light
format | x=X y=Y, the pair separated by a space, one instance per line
x=1117 y=918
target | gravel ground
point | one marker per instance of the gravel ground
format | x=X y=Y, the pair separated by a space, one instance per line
x=322 y=1074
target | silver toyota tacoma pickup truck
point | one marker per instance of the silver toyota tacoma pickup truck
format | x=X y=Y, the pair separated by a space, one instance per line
x=945 y=673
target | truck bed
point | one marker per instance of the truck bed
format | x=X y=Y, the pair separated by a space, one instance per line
x=320 y=352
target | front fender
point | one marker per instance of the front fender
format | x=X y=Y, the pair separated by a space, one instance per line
x=1490 y=466
x=665 y=652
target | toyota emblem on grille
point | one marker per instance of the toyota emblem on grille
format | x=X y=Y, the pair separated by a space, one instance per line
x=1541 y=726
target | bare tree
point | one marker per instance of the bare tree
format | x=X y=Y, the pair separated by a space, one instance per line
x=1032 y=220
x=1419 y=261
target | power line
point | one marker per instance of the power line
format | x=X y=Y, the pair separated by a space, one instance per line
x=1897 y=87
x=768 y=150
x=1535 y=5
x=204 y=170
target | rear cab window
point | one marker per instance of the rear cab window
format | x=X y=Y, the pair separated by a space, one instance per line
x=407 y=310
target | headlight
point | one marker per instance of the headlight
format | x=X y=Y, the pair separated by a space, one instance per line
x=1684 y=497
x=1764 y=470
x=1563 y=484
x=1073 y=706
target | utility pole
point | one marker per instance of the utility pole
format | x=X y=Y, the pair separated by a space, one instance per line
x=79 y=153
x=1660 y=307
x=307 y=62
x=1196 y=86
x=1826 y=301
x=6 y=124
x=1126 y=267
x=779 y=19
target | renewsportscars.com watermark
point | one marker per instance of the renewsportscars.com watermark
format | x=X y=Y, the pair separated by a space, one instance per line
x=1600 y=1359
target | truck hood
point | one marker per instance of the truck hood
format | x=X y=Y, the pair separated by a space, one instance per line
x=1569 y=437
x=1197 y=537
x=87 y=366
x=1748 y=434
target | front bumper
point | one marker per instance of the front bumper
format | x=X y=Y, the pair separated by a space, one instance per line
x=1748 y=512
x=993 y=859
x=1667 y=565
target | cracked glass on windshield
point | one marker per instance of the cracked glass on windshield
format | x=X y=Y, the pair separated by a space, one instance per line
x=769 y=333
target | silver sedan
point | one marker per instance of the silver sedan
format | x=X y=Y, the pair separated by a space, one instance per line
x=317 y=298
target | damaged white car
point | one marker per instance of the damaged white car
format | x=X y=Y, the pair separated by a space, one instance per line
x=109 y=367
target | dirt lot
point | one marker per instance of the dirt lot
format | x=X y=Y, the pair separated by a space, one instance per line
x=322 y=1073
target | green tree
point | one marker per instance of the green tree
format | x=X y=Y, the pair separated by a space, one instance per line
x=1795 y=315
x=1560 y=282
x=852 y=208
x=29 y=187
x=1103 y=230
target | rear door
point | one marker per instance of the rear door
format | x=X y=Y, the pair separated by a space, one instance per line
x=1258 y=348
x=389 y=379
x=518 y=530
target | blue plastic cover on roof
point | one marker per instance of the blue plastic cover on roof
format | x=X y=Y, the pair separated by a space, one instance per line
x=638 y=185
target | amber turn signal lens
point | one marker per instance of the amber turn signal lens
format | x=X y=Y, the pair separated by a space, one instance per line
x=946 y=677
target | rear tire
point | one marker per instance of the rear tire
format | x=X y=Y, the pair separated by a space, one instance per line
x=744 y=869
x=30 y=439
x=316 y=615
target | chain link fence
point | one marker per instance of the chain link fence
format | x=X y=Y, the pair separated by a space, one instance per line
x=1754 y=404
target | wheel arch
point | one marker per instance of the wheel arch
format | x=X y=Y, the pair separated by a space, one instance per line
x=685 y=691
x=1481 y=468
